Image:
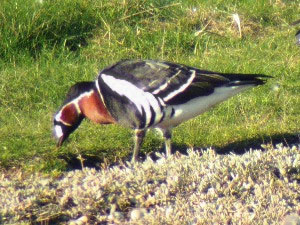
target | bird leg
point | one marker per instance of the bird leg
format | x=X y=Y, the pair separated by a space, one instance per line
x=138 y=140
x=167 y=138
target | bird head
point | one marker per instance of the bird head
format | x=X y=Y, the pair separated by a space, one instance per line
x=66 y=120
x=69 y=117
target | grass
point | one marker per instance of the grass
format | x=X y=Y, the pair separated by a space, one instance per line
x=46 y=46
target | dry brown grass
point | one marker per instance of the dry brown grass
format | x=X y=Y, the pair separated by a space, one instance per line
x=258 y=187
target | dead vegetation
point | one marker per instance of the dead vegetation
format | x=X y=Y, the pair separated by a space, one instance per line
x=258 y=187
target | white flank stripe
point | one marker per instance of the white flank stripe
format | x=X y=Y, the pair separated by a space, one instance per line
x=142 y=99
x=196 y=106
x=161 y=101
x=182 y=88
x=165 y=85
x=162 y=87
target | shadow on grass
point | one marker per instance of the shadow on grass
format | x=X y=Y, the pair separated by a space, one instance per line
x=238 y=147
x=241 y=147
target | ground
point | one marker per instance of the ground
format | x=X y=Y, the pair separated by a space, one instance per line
x=201 y=187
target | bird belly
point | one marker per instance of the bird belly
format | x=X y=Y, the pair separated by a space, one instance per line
x=197 y=106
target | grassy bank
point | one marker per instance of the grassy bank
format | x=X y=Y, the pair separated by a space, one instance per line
x=46 y=46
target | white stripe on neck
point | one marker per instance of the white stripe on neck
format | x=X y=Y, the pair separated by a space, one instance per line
x=75 y=102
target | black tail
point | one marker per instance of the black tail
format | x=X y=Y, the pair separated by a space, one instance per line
x=231 y=79
x=246 y=79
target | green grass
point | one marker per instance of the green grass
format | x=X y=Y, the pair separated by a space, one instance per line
x=46 y=47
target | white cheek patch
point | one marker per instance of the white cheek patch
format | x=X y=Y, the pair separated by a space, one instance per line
x=58 y=131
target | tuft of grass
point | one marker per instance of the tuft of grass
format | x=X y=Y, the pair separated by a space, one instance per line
x=46 y=46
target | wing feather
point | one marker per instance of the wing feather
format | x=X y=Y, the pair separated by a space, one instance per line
x=176 y=83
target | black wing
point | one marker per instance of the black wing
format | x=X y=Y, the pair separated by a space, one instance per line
x=176 y=83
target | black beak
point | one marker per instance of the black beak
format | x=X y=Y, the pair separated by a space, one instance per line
x=66 y=130
x=61 y=141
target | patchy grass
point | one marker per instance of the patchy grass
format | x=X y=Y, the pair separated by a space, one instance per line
x=202 y=187
x=48 y=45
